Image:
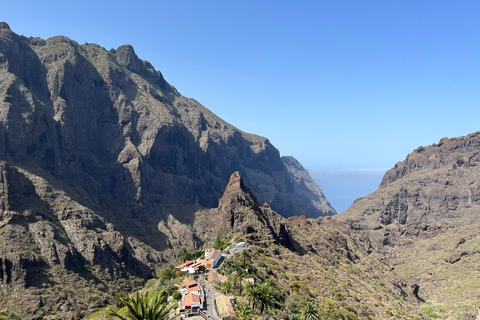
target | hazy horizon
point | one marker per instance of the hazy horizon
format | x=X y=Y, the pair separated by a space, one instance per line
x=342 y=187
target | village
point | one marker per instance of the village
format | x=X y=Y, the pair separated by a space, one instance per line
x=200 y=299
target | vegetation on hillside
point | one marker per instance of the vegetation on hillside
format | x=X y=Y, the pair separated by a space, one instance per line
x=221 y=243
x=269 y=298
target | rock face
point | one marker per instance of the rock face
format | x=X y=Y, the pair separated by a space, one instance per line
x=305 y=191
x=436 y=187
x=102 y=164
x=240 y=211
x=109 y=123
x=321 y=256
x=423 y=206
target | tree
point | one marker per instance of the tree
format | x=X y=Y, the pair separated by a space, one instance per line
x=266 y=297
x=237 y=279
x=177 y=295
x=272 y=283
x=217 y=245
x=166 y=274
x=309 y=311
x=144 y=306
x=252 y=292
x=245 y=255
x=243 y=312
x=184 y=254
x=197 y=254
x=226 y=287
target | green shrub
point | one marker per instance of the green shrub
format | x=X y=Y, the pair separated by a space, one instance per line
x=166 y=274
x=177 y=295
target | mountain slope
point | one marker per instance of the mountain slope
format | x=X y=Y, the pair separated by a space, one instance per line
x=319 y=260
x=109 y=122
x=102 y=164
x=425 y=218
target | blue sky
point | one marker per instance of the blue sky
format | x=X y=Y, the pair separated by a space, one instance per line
x=346 y=87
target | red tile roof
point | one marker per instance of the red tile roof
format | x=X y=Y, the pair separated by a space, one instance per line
x=183 y=265
x=190 y=283
x=191 y=297
x=224 y=306
x=214 y=277
x=196 y=288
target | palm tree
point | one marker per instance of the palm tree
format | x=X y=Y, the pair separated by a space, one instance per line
x=244 y=255
x=266 y=297
x=309 y=311
x=243 y=312
x=252 y=291
x=226 y=287
x=144 y=306
x=237 y=279
x=272 y=283
x=184 y=254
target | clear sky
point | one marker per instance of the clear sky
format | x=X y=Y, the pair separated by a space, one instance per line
x=347 y=87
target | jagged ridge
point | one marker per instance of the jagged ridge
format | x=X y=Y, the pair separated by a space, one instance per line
x=424 y=218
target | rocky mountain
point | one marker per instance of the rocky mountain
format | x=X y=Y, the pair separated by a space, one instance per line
x=102 y=167
x=320 y=260
x=109 y=123
x=425 y=218
x=306 y=190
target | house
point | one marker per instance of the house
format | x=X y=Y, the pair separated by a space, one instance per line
x=212 y=258
x=224 y=307
x=215 y=278
x=190 y=302
x=191 y=267
x=184 y=265
x=194 y=290
x=189 y=283
x=182 y=287
x=196 y=268
x=188 y=286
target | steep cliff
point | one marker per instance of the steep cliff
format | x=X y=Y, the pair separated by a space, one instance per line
x=425 y=218
x=103 y=164
x=305 y=190
x=109 y=123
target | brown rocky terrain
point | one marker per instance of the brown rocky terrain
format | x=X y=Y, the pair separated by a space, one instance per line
x=425 y=218
x=107 y=171
x=320 y=260
x=103 y=164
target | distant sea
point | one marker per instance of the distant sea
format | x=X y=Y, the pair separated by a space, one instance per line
x=343 y=186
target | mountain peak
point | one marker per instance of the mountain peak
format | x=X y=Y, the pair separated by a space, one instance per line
x=235 y=183
x=4 y=25
x=236 y=195
x=240 y=211
x=127 y=57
